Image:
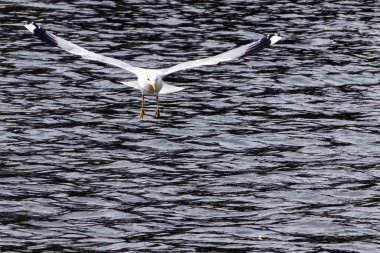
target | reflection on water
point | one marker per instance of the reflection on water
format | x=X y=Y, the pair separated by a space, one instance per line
x=275 y=153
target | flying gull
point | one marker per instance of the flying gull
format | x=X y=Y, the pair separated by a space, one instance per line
x=150 y=81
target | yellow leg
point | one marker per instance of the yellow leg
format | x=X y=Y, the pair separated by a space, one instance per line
x=157 y=108
x=142 y=111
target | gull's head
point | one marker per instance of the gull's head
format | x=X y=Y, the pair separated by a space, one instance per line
x=153 y=81
x=150 y=80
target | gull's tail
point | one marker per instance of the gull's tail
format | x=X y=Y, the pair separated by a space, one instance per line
x=166 y=88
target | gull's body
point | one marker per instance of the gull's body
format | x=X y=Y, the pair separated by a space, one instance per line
x=150 y=81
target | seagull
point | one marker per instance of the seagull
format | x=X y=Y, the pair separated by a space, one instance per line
x=150 y=81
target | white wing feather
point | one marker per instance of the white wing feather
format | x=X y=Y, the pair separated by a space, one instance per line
x=236 y=53
x=75 y=49
x=133 y=84
x=167 y=88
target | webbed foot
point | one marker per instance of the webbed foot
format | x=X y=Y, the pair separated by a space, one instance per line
x=157 y=114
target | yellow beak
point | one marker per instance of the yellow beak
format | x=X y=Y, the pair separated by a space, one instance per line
x=154 y=86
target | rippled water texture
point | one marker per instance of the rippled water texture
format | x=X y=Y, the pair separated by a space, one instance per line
x=278 y=152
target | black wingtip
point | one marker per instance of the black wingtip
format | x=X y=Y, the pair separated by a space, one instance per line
x=258 y=46
x=41 y=33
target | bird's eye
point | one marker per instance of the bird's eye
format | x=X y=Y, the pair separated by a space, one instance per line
x=148 y=79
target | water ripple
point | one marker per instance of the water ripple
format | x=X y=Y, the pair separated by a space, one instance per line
x=274 y=153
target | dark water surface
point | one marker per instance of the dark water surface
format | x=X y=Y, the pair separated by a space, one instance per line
x=279 y=152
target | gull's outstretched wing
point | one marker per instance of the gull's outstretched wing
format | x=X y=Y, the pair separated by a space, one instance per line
x=236 y=53
x=75 y=49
